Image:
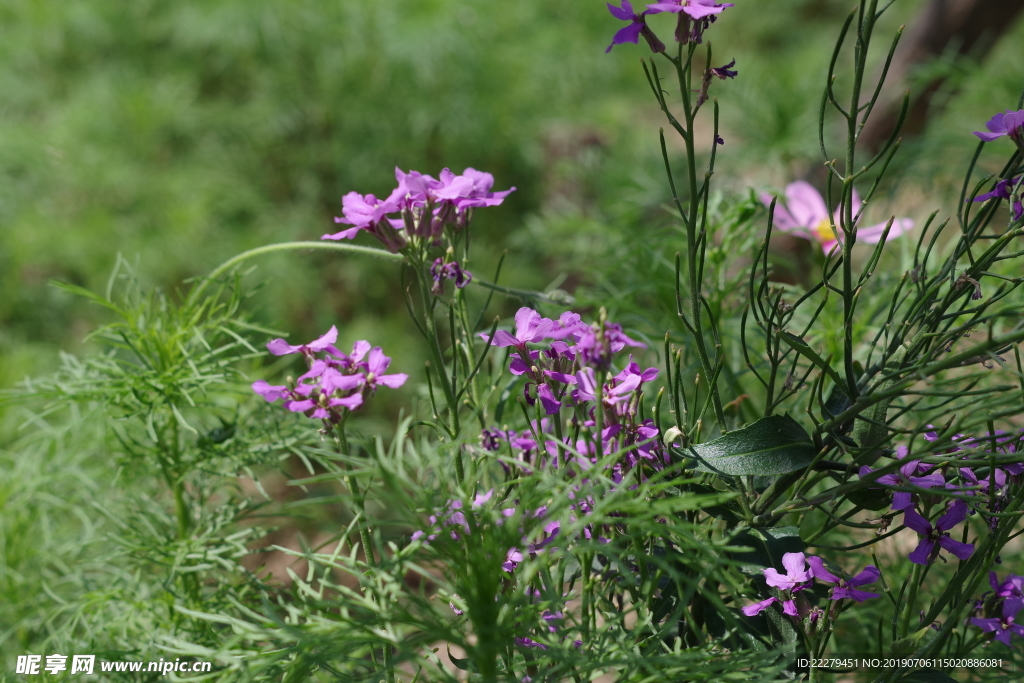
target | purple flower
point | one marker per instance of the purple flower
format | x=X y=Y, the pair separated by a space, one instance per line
x=376 y=365
x=426 y=205
x=448 y=271
x=1013 y=587
x=596 y=346
x=724 y=72
x=337 y=381
x=1010 y=123
x=637 y=27
x=470 y=190
x=982 y=485
x=845 y=588
x=527 y=642
x=586 y=381
x=796 y=572
x=1004 y=625
x=932 y=538
x=530 y=327
x=694 y=16
x=901 y=500
x=279 y=347
x=721 y=72
x=512 y=559
x=796 y=578
x=697 y=9
x=806 y=216
x=789 y=607
x=1002 y=191
x=366 y=212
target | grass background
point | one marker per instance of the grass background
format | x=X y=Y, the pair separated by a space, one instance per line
x=179 y=134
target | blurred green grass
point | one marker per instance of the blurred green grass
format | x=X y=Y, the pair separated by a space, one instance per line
x=182 y=133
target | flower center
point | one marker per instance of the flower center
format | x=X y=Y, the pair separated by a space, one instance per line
x=823 y=231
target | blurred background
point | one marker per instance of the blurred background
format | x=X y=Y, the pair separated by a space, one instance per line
x=179 y=134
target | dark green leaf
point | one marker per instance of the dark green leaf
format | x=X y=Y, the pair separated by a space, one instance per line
x=767 y=547
x=773 y=445
x=462 y=664
x=729 y=511
x=784 y=635
x=837 y=401
x=870 y=499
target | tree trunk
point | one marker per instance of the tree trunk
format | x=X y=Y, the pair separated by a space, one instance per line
x=960 y=26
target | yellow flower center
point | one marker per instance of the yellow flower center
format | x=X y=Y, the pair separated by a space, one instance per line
x=823 y=231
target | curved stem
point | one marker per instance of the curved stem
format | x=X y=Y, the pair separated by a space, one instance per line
x=288 y=246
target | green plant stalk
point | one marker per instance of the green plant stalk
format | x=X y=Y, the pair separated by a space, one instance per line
x=911 y=598
x=920 y=372
x=691 y=232
x=435 y=351
x=341 y=441
x=864 y=30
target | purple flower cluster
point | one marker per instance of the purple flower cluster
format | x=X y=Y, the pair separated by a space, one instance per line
x=424 y=206
x=983 y=492
x=1003 y=605
x=800 y=573
x=573 y=371
x=336 y=383
x=694 y=18
x=453 y=516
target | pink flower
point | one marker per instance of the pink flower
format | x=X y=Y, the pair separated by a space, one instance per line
x=796 y=572
x=805 y=215
x=796 y=578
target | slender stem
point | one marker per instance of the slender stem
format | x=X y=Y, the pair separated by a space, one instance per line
x=435 y=351
x=366 y=538
x=682 y=70
x=911 y=598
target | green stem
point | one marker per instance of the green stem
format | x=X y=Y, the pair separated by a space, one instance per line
x=696 y=311
x=356 y=249
x=366 y=538
x=435 y=351
x=911 y=598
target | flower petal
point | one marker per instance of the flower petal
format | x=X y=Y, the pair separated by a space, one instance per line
x=758 y=607
x=805 y=203
x=961 y=550
x=916 y=522
x=956 y=514
x=923 y=552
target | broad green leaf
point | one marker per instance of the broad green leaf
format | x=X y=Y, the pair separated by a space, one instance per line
x=773 y=445
x=767 y=547
x=783 y=633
